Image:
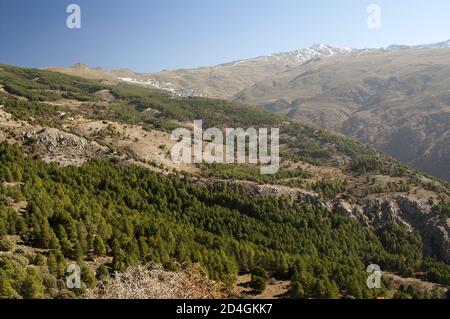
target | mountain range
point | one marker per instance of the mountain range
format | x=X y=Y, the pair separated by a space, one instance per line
x=395 y=98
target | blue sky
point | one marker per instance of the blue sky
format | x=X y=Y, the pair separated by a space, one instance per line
x=152 y=35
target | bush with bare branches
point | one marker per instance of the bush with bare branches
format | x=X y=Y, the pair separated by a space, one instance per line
x=153 y=282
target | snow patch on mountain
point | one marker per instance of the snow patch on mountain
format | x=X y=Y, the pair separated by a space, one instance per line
x=165 y=86
x=437 y=45
x=278 y=61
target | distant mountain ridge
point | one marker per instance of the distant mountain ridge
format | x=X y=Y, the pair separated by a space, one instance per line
x=397 y=100
x=299 y=57
x=227 y=79
x=437 y=45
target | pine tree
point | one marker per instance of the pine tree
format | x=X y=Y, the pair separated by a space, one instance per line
x=82 y=236
x=54 y=242
x=297 y=290
x=44 y=236
x=33 y=287
x=66 y=245
x=102 y=273
x=259 y=279
x=52 y=264
x=77 y=251
x=99 y=246
x=6 y=289
x=88 y=276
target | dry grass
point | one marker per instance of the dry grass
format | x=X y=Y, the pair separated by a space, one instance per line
x=275 y=289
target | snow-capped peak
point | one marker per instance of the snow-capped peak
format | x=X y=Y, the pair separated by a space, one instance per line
x=437 y=45
x=316 y=51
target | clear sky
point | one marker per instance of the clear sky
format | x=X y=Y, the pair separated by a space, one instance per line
x=151 y=35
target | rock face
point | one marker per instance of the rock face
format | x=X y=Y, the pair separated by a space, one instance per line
x=416 y=216
x=346 y=209
x=296 y=195
x=435 y=232
x=53 y=141
x=60 y=147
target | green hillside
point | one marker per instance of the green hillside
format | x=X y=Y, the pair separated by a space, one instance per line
x=108 y=215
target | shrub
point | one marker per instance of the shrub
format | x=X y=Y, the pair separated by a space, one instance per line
x=6 y=244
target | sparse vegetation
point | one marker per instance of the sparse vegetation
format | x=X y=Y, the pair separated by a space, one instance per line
x=329 y=188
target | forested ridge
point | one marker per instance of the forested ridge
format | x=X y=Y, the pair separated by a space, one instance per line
x=40 y=86
x=135 y=216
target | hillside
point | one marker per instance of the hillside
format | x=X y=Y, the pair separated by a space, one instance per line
x=221 y=81
x=395 y=99
x=86 y=177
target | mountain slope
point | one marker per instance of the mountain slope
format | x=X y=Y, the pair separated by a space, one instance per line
x=221 y=81
x=398 y=101
x=335 y=206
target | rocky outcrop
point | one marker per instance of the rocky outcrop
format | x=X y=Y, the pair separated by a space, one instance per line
x=60 y=147
x=415 y=215
x=353 y=211
x=249 y=188
x=434 y=231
